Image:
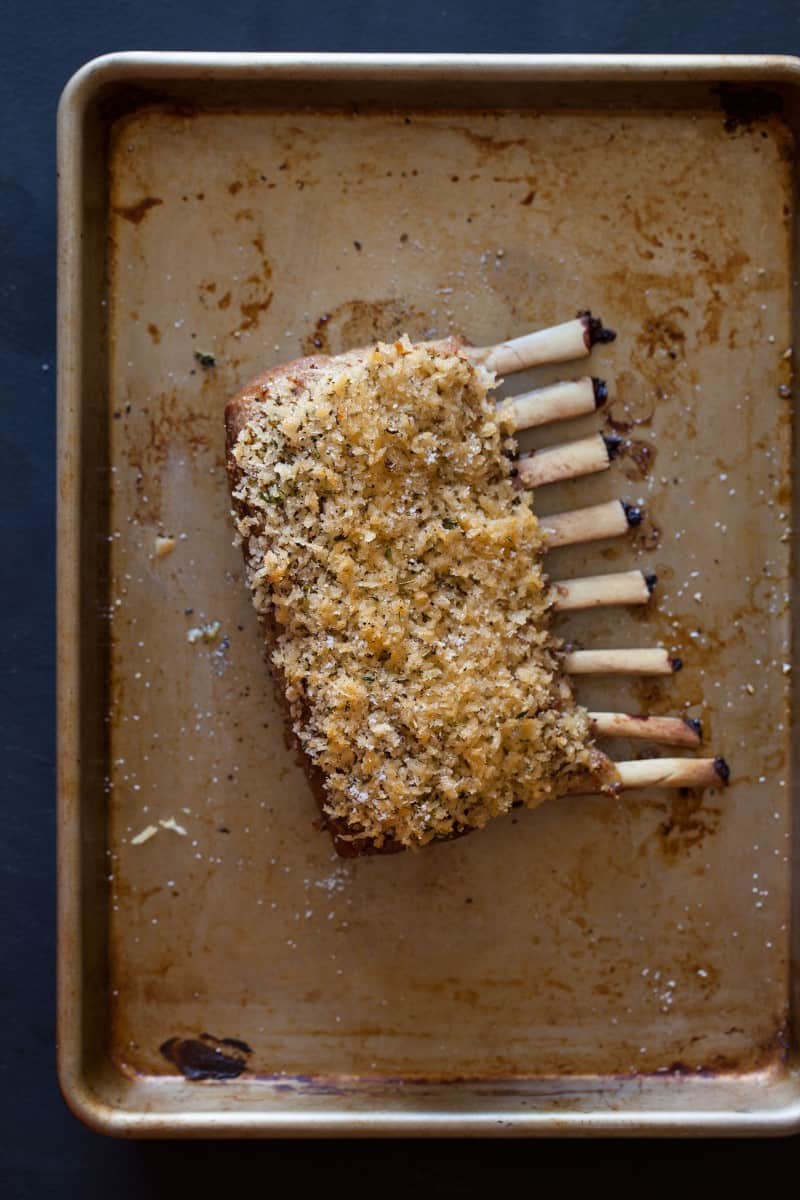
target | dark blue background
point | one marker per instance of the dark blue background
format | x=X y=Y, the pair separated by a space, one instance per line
x=43 y=1150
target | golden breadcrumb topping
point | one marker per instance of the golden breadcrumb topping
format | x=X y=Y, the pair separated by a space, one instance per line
x=401 y=573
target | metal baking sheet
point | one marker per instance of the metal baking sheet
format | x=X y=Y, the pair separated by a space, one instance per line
x=595 y=966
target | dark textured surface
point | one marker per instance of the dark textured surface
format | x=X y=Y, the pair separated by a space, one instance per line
x=43 y=1151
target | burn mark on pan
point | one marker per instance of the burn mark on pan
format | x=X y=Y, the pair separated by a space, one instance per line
x=251 y=177
x=486 y=145
x=688 y=823
x=257 y=294
x=716 y=276
x=648 y=533
x=136 y=213
x=161 y=429
x=207 y=1057
x=662 y=332
x=628 y=408
x=744 y=106
x=639 y=457
x=251 y=311
x=360 y=322
x=770 y=1050
x=206 y=290
x=652 y=239
x=618 y=426
x=234 y=1043
x=652 y=693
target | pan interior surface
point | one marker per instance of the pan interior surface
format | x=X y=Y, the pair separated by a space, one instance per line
x=594 y=939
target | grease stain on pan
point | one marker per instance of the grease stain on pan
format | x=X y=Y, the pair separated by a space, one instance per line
x=772 y=1051
x=663 y=331
x=648 y=534
x=633 y=417
x=705 y=275
x=170 y=428
x=360 y=322
x=486 y=144
x=258 y=294
x=136 y=213
x=639 y=457
x=252 y=312
x=689 y=821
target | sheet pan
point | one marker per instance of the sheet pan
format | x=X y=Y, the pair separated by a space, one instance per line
x=590 y=967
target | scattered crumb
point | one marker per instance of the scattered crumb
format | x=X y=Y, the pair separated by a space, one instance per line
x=204 y=633
x=163 y=546
x=205 y=358
x=171 y=823
x=148 y=832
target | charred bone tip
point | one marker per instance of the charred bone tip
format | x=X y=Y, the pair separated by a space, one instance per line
x=600 y=391
x=722 y=770
x=633 y=513
x=594 y=332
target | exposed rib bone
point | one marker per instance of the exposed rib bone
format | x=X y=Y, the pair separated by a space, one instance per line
x=590 y=524
x=620 y=662
x=559 y=343
x=559 y=402
x=673 y=772
x=567 y=461
x=624 y=587
x=667 y=731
